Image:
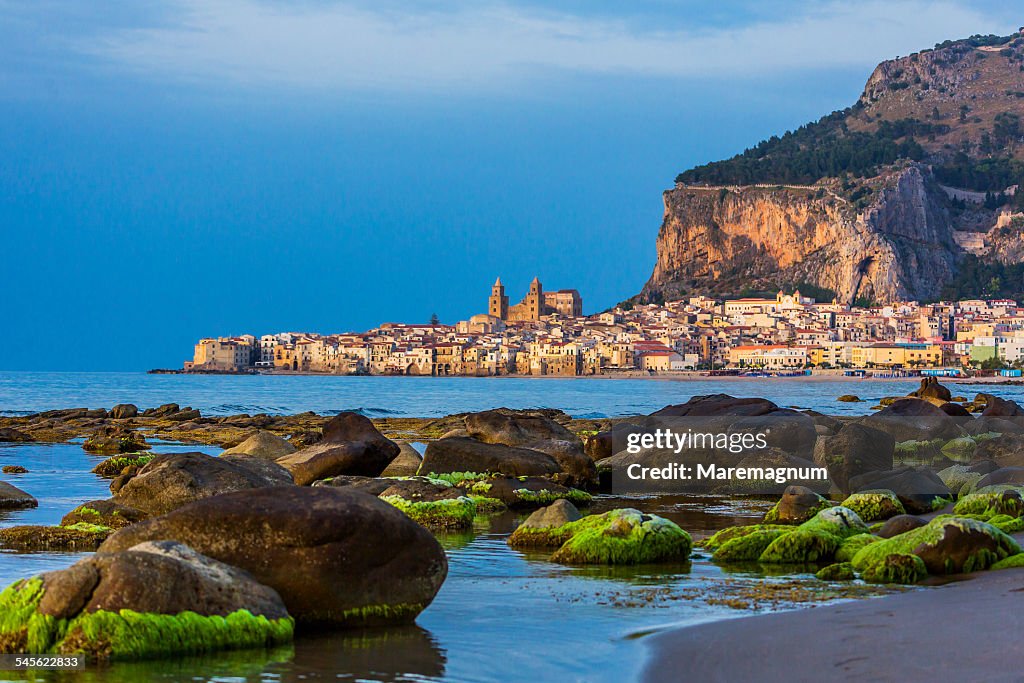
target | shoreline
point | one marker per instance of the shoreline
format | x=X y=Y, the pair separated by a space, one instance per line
x=906 y=636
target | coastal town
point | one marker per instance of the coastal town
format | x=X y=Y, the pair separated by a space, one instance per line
x=546 y=333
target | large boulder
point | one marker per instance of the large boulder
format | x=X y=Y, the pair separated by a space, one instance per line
x=914 y=419
x=154 y=599
x=124 y=411
x=854 y=450
x=535 y=431
x=999 y=407
x=13 y=498
x=350 y=445
x=336 y=556
x=462 y=454
x=262 y=445
x=719 y=405
x=171 y=480
x=919 y=489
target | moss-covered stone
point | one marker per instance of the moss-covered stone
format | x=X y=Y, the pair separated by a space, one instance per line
x=896 y=568
x=748 y=548
x=959 y=479
x=80 y=536
x=1006 y=523
x=1005 y=503
x=852 y=545
x=111 y=467
x=801 y=546
x=960 y=449
x=448 y=513
x=918 y=451
x=841 y=571
x=624 y=536
x=947 y=545
x=797 y=505
x=487 y=506
x=839 y=521
x=720 y=538
x=547 y=497
x=1011 y=562
x=872 y=506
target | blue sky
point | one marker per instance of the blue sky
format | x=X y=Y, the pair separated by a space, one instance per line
x=183 y=168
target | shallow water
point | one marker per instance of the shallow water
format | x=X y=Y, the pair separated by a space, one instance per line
x=501 y=615
x=23 y=392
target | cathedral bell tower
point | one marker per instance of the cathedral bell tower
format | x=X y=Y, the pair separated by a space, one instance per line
x=497 y=304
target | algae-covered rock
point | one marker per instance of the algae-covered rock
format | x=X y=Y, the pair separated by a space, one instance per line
x=108 y=513
x=749 y=547
x=960 y=449
x=442 y=513
x=1011 y=562
x=841 y=571
x=797 y=505
x=546 y=526
x=801 y=546
x=959 y=478
x=1005 y=503
x=895 y=568
x=154 y=600
x=337 y=556
x=723 y=536
x=525 y=492
x=81 y=536
x=115 y=465
x=852 y=545
x=946 y=545
x=624 y=536
x=115 y=440
x=839 y=521
x=873 y=506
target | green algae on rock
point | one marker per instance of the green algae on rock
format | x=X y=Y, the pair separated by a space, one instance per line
x=852 y=545
x=800 y=546
x=624 y=536
x=1011 y=562
x=80 y=536
x=448 y=513
x=723 y=536
x=838 y=521
x=111 y=467
x=959 y=449
x=1005 y=503
x=872 y=506
x=747 y=548
x=896 y=568
x=841 y=571
x=946 y=545
x=797 y=505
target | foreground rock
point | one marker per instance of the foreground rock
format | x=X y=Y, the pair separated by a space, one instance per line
x=13 y=498
x=943 y=546
x=336 y=556
x=350 y=445
x=171 y=480
x=152 y=600
x=919 y=489
x=797 y=505
x=262 y=445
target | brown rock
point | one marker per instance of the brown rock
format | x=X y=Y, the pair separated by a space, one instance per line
x=460 y=454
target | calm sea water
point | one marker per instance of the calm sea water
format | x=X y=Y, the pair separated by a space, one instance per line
x=23 y=392
x=502 y=615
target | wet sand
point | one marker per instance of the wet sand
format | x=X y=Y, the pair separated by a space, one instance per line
x=964 y=631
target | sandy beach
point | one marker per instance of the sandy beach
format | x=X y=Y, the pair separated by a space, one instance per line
x=965 y=631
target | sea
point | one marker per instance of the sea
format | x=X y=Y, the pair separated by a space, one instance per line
x=502 y=615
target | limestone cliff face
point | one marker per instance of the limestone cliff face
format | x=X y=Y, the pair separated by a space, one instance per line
x=723 y=240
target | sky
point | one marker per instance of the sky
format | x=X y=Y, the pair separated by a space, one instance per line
x=185 y=168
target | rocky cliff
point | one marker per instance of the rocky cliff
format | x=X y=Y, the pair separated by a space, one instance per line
x=873 y=202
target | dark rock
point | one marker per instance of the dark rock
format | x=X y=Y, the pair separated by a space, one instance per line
x=894 y=526
x=719 y=404
x=35 y=538
x=14 y=469
x=162 y=411
x=117 y=439
x=1004 y=475
x=124 y=410
x=108 y=513
x=797 y=505
x=350 y=445
x=955 y=410
x=918 y=488
x=171 y=480
x=461 y=454
x=854 y=450
x=999 y=407
x=13 y=498
x=528 y=492
x=555 y=515
x=12 y=435
x=262 y=445
x=932 y=391
x=406 y=464
x=914 y=419
x=1006 y=450
x=335 y=555
x=602 y=445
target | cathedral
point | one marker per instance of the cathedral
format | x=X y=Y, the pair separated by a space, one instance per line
x=536 y=304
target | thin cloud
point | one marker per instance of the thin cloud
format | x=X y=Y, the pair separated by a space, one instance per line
x=341 y=46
